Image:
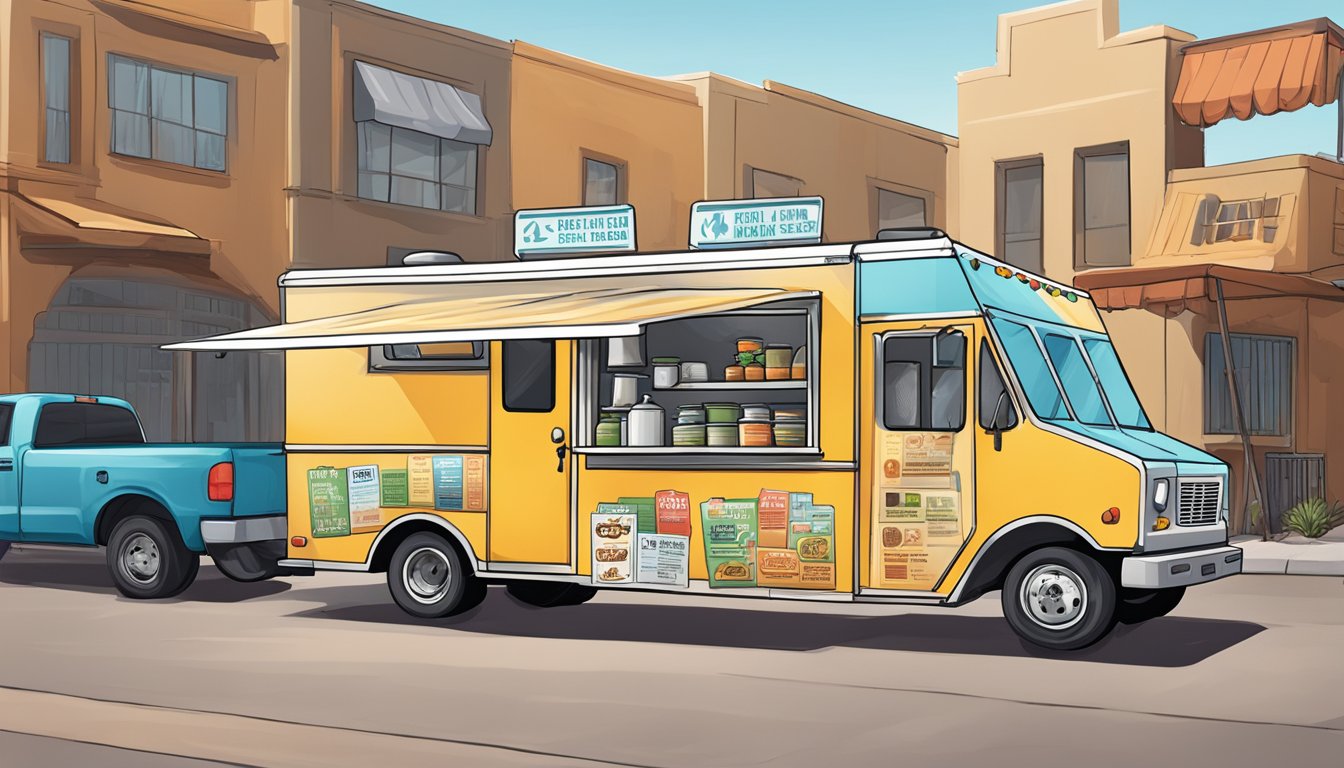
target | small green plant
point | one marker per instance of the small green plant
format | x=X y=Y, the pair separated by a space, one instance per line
x=1313 y=518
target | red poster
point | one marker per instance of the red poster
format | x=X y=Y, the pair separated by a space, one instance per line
x=772 y=509
x=673 y=511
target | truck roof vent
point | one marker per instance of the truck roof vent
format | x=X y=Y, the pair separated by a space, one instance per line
x=910 y=233
x=426 y=258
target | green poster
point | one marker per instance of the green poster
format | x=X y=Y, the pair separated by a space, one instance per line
x=328 y=502
x=396 y=488
x=644 y=508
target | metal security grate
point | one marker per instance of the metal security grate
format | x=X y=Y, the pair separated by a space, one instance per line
x=1197 y=502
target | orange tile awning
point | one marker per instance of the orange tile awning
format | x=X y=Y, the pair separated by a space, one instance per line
x=1159 y=287
x=1259 y=73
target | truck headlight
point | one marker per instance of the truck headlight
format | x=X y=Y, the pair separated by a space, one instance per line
x=1161 y=488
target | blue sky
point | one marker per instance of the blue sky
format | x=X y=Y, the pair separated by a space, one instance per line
x=897 y=57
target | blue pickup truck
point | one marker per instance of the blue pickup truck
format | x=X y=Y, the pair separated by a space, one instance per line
x=77 y=470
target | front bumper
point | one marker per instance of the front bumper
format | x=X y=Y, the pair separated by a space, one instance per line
x=241 y=530
x=1179 y=569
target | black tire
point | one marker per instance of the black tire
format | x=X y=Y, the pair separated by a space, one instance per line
x=1140 y=605
x=148 y=561
x=1059 y=599
x=549 y=594
x=430 y=579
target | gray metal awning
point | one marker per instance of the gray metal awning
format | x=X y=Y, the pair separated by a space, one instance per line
x=428 y=106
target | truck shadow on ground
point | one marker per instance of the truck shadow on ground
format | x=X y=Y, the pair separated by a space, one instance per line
x=85 y=570
x=1166 y=642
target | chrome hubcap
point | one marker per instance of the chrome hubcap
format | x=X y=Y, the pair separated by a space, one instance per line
x=1053 y=596
x=426 y=575
x=140 y=558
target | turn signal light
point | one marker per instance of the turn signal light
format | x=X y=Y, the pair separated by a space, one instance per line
x=1111 y=516
x=299 y=541
x=219 y=485
x=1161 y=524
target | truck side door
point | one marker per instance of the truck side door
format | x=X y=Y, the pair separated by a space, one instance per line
x=9 y=478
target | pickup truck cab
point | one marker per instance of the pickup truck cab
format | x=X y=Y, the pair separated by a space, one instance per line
x=76 y=470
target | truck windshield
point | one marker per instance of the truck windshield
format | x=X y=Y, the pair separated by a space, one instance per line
x=1067 y=357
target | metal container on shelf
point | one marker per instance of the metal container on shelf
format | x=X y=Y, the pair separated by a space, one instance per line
x=666 y=372
x=721 y=435
x=755 y=412
x=694 y=372
x=624 y=351
x=646 y=423
x=693 y=413
x=689 y=435
x=625 y=389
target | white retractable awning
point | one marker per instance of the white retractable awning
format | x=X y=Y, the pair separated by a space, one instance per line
x=469 y=312
x=428 y=106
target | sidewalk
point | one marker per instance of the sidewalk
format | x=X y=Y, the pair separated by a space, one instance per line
x=1294 y=554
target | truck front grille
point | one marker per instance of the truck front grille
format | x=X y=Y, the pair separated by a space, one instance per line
x=1198 y=501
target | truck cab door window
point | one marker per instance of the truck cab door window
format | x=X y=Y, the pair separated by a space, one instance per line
x=992 y=390
x=529 y=375
x=924 y=382
x=6 y=416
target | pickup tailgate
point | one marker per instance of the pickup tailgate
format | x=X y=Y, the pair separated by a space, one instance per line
x=258 y=480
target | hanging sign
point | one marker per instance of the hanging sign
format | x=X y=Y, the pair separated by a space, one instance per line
x=559 y=231
x=742 y=223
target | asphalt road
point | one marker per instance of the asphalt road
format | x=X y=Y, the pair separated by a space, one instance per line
x=325 y=671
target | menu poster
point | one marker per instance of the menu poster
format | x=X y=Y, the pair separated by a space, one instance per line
x=447 y=483
x=473 y=483
x=394 y=491
x=927 y=453
x=773 y=518
x=420 y=480
x=663 y=559
x=328 y=502
x=364 y=497
x=672 y=510
x=915 y=536
x=729 y=529
x=942 y=513
x=613 y=550
x=644 y=509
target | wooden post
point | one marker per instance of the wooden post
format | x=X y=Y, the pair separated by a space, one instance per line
x=1252 y=475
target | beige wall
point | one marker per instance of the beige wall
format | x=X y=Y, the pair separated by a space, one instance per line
x=330 y=225
x=839 y=152
x=1114 y=88
x=566 y=109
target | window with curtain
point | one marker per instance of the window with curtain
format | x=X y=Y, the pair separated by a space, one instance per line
x=1264 y=369
x=1020 y=207
x=601 y=182
x=169 y=115
x=1101 y=188
x=56 y=98
x=399 y=165
x=895 y=209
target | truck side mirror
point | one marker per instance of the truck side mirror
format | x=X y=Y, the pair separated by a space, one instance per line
x=1002 y=419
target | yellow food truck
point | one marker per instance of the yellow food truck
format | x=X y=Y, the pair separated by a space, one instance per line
x=897 y=421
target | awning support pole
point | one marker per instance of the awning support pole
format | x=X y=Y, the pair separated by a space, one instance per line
x=1252 y=475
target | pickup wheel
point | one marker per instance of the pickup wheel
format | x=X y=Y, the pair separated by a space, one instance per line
x=549 y=594
x=429 y=579
x=1059 y=599
x=147 y=560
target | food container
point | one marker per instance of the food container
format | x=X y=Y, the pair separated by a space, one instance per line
x=799 y=368
x=778 y=355
x=753 y=373
x=755 y=412
x=790 y=434
x=790 y=413
x=689 y=435
x=609 y=430
x=624 y=350
x=721 y=435
x=778 y=374
x=734 y=372
x=723 y=413
x=754 y=434
x=694 y=372
x=666 y=372
x=691 y=414
x=646 y=423
x=625 y=389
x=750 y=344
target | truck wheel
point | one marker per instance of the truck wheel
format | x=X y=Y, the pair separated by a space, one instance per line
x=428 y=578
x=549 y=594
x=1140 y=605
x=1059 y=599
x=147 y=560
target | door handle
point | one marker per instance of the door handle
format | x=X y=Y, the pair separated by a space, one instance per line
x=6 y=465
x=560 y=452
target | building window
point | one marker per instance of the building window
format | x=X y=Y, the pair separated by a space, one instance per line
x=602 y=182
x=438 y=356
x=1264 y=370
x=1101 y=206
x=56 y=98
x=398 y=165
x=169 y=115
x=895 y=209
x=1236 y=221
x=1020 y=207
x=770 y=184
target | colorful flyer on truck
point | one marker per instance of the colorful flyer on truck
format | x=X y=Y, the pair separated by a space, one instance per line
x=364 y=498
x=926 y=453
x=420 y=480
x=447 y=483
x=663 y=559
x=672 y=510
x=729 y=528
x=473 y=482
x=772 y=512
x=394 y=488
x=328 y=502
x=613 y=548
x=916 y=533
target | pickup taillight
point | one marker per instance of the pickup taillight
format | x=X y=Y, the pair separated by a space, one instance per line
x=219 y=485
